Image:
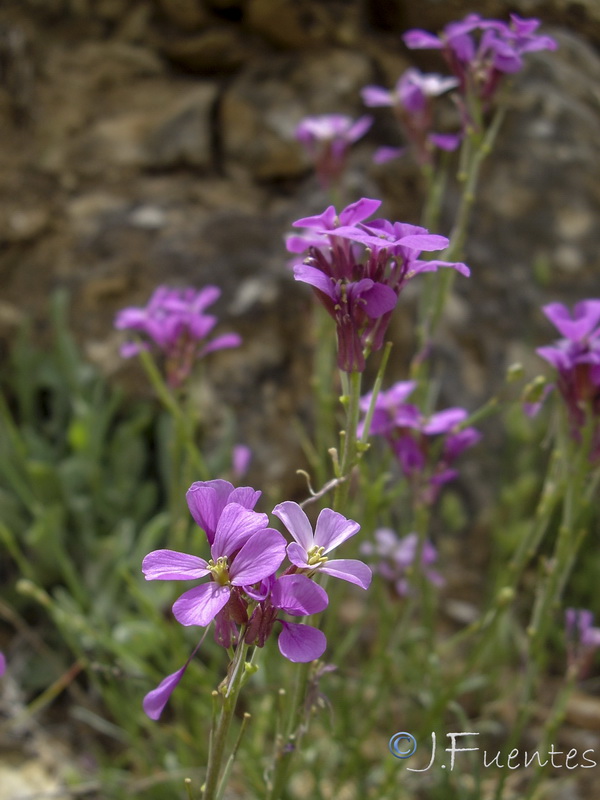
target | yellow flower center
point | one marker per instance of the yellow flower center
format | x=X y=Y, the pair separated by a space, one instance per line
x=220 y=570
x=316 y=557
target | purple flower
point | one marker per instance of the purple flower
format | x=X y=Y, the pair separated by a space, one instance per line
x=308 y=551
x=411 y=100
x=207 y=499
x=298 y=596
x=244 y=552
x=583 y=639
x=357 y=271
x=175 y=323
x=411 y=92
x=397 y=555
x=425 y=446
x=576 y=359
x=327 y=140
x=387 y=406
x=480 y=52
x=2 y=663
x=241 y=457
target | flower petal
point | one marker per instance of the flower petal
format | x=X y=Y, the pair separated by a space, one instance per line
x=235 y=526
x=296 y=521
x=156 y=700
x=171 y=565
x=298 y=555
x=200 y=605
x=349 y=569
x=332 y=529
x=206 y=500
x=298 y=595
x=260 y=557
x=301 y=643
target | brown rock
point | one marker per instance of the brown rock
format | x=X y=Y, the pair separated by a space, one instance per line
x=217 y=50
x=164 y=127
x=261 y=110
x=302 y=23
x=186 y=14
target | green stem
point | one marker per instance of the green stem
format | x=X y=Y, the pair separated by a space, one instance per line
x=349 y=448
x=474 y=151
x=218 y=737
x=287 y=745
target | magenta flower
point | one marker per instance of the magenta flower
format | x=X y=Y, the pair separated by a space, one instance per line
x=583 y=639
x=396 y=555
x=174 y=322
x=2 y=663
x=298 y=596
x=357 y=271
x=244 y=552
x=425 y=446
x=207 y=499
x=412 y=103
x=327 y=140
x=576 y=359
x=480 y=52
x=309 y=550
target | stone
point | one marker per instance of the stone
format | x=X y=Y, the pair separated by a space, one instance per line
x=221 y=50
x=185 y=14
x=260 y=110
x=302 y=23
x=165 y=126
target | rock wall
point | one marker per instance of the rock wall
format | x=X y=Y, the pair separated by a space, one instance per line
x=151 y=141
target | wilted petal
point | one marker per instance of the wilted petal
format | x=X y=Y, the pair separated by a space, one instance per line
x=171 y=565
x=155 y=701
x=333 y=528
x=296 y=521
x=200 y=605
x=260 y=557
x=349 y=569
x=301 y=643
x=298 y=595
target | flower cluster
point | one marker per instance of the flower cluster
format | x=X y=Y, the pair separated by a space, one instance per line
x=358 y=269
x=244 y=596
x=174 y=322
x=412 y=102
x=576 y=358
x=582 y=639
x=481 y=52
x=327 y=140
x=425 y=446
x=395 y=556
